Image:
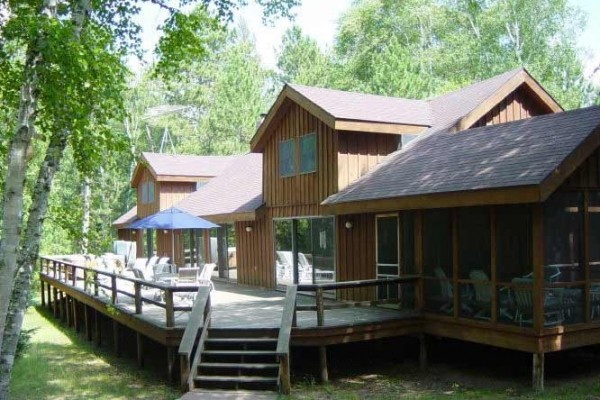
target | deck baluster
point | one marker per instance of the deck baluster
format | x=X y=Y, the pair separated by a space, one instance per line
x=113 y=280
x=138 y=297
x=169 y=307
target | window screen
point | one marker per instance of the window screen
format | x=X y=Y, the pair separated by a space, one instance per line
x=308 y=153
x=287 y=165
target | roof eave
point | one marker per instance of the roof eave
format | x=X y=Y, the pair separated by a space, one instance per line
x=492 y=196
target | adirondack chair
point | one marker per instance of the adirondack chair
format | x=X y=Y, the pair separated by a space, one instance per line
x=483 y=293
x=553 y=303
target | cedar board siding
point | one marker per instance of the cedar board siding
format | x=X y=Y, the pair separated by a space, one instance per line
x=173 y=192
x=356 y=254
x=516 y=106
x=143 y=210
x=359 y=152
x=305 y=189
x=255 y=255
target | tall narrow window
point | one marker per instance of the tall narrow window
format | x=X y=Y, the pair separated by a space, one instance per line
x=287 y=160
x=144 y=193
x=151 y=192
x=388 y=262
x=308 y=153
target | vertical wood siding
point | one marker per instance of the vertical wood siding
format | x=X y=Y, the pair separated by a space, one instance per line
x=170 y=193
x=587 y=175
x=305 y=189
x=516 y=106
x=255 y=253
x=356 y=253
x=143 y=210
x=359 y=152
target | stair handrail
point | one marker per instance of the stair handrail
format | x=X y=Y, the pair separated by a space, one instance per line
x=191 y=344
x=288 y=319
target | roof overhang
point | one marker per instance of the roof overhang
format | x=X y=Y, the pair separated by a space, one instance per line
x=288 y=95
x=508 y=195
x=230 y=218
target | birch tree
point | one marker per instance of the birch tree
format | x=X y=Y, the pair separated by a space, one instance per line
x=68 y=57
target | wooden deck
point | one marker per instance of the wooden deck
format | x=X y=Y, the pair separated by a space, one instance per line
x=86 y=299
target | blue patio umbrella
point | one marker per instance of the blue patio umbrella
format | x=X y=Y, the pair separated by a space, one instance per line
x=170 y=219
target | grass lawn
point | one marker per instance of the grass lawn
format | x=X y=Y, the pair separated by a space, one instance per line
x=61 y=365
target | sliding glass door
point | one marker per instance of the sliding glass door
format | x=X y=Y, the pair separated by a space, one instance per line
x=304 y=250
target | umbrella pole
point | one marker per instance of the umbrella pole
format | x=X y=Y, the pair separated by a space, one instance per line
x=173 y=246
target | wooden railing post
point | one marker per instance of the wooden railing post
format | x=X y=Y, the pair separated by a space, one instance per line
x=138 y=297
x=169 y=307
x=320 y=307
x=74 y=275
x=96 y=283
x=54 y=269
x=113 y=280
x=85 y=280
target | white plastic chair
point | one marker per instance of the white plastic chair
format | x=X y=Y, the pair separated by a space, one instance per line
x=205 y=278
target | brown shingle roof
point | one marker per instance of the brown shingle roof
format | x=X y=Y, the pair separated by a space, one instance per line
x=124 y=220
x=187 y=165
x=513 y=154
x=237 y=190
x=367 y=107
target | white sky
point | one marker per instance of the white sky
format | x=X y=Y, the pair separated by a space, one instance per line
x=318 y=19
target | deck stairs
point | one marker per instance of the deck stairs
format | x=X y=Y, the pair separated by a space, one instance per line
x=235 y=359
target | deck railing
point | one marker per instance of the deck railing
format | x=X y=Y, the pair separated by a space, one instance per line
x=194 y=336
x=93 y=280
x=405 y=288
x=288 y=318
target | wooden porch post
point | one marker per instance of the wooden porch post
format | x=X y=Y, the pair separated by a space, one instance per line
x=422 y=352
x=49 y=294
x=323 y=364
x=55 y=303
x=116 y=338
x=538 y=371
x=76 y=321
x=43 y=293
x=98 y=327
x=87 y=322
x=140 y=349
x=171 y=354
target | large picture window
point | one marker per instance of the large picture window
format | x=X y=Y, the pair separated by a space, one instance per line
x=308 y=153
x=287 y=159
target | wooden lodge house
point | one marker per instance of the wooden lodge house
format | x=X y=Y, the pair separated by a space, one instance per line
x=488 y=196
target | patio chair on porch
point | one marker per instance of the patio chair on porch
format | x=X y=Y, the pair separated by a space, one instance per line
x=205 y=278
x=553 y=304
x=188 y=275
x=446 y=293
x=483 y=293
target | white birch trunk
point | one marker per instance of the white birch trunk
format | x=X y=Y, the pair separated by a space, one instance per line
x=28 y=254
x=85 y=223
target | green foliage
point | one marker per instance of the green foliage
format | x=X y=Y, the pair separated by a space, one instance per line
x=24 y=342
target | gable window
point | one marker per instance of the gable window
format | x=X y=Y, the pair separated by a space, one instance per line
x=144 y=193
x=287 y=159
x=151 y=192
x=308 y=153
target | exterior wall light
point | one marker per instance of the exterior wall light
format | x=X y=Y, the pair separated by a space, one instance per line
x=348 y=225
x=248 y=229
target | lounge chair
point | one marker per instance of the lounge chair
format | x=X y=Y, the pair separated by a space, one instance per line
x=553 y=303
x=205 y=278
x=483 y=293
x=188 y=275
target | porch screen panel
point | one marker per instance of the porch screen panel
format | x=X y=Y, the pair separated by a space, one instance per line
x=437 y=261
x=594 y=253
x=387 y=254
x=474 y=262
x=563 y=259
x=514 y=265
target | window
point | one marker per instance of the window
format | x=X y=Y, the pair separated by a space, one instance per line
x=151 y=192
x=144 y=193
x=287 y=159
x=406 y=139
x=308 y=153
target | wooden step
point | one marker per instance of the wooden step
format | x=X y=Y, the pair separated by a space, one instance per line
x=238 y=365
x=236 y=379
x=242 y=333
x=240 y=352
x=241 y=340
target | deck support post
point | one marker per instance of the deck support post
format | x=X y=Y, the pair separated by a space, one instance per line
x=43 y=293
x=86 y=321
x=98 y=327
x=140 y=349
x=116 y=338
x=323 y=364
x=76 y=322
x=538 y=371
x=63 y=306
x=49 y=294
x=171 y=354
x=68 y=310
x=55 y=302
x=422 y=352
